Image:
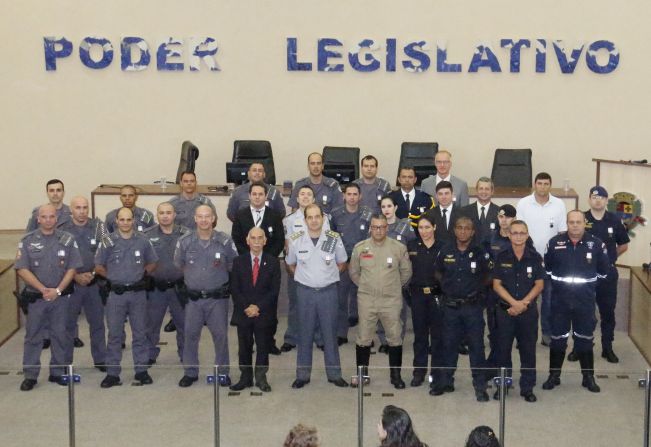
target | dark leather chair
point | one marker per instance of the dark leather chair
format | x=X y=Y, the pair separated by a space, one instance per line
x=259 y=151
x=341 y=163
x=420 y=156
x=189 y=154
x=512 y=167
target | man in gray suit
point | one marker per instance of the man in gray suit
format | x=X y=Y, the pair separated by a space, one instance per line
x=443 y=162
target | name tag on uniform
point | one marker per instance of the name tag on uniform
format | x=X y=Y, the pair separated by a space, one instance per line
x=328 y=259
x=398 y=237
x=379 y=196
x=529 y=271
x=473 y=265
x=218 y=255
x=93 y=242
x=61 y=253
x=421 y=208
x=137 y=253
x=588 y=257
x=140 y=228
x=367 y=256
x=266 y=203
x=362 y=227
x=324 y=199
x=389 y=261
x=610 y=230
x=270 y=229
x=492 y=225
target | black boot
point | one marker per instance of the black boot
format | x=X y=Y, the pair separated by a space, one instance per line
x=608 y=353
x=572 y=356
x=586 y=359
x=246 y=379
x=362 y=358
x=555 y=364
x=261 y=378
x=395 y=362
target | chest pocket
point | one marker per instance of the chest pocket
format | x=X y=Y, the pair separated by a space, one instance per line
x=303 y=255
x=115 y=257
x=92 y=244
x=137 y=256
x=329 y=258
x=36 y=257
x=367 y=260
x=191 y=256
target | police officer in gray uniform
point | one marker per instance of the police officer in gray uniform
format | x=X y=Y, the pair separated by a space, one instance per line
x=46 y=260
x=123 y=258
x=55 y=191
x=166 y=280
x=187 y=202
x=240 y=197
x=326 y=190
x=316 y=257
x=206 y=257
x=371 y=187
x=352 y=222
x=142 y=218
x=88 y=233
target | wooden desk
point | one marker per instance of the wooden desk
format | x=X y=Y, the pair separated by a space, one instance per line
x=505 y=194
x=639 y=324
x=9 y=313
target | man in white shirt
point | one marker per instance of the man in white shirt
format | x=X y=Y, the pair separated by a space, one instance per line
x=545 y=216
x=443 y=163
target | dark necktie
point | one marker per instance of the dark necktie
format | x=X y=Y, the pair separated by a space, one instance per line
x=445 y=217
x=257 y=219
x=256 y=269
x=482 y=218
x=407 y=201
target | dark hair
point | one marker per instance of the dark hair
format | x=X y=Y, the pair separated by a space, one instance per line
x=190 y=173
x=352 y=185
x=482 y=436
x=429 y=218
x=387 y=197
x=464 y=219
x=314 y=153
x=54 y=181
x=379 y=216
x=131 y=187
x=260 y=184
x=444 y=185
x=400 y=432
x=542 y=176
x=305 y=187
x=408 y=168
x=370 y=157
x=302 y=436
x=312 y=205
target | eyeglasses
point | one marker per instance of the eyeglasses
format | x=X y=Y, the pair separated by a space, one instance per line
x=378 y=227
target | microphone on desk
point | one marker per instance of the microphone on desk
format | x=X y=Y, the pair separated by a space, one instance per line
x=642 y=162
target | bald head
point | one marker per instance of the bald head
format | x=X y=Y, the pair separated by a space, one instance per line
x=47 y=218
x=205 y=218
x=79 y=210
x=166 y=215
x=124 y=220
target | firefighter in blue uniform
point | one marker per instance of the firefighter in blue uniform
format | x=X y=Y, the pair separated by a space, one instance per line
x=574 y=262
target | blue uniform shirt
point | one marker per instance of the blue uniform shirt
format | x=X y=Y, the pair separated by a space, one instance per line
x=402 y=231
x=165 y=244
x=423 y=263
x=125 y=259
x=205 y=263
x=326 y=194
x=518 y=276
x=63 y=215
x=352 y=227
x=372 y=193
x=184 y=209
x=142 y=219
x=88 y=238
x=610 y=230
x=462 y=272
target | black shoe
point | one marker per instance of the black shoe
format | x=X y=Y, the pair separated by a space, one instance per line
x=528 y=396
x=187 y=381
x=224 y=380
x=274 y=350
x=383 y=349
x=342 y=340
x=242 y=384
x=299 y=383
x=77 y=342
x=610 y=356
x=27 y=385
x=589 y=383
x=144 y=378
x=440 y=389
x=397 y=382
x=552 y=381
x=340 y=382
x=170 y=326
x=262 y=384
x=319 y=347
x=101 y=366
x=110 y=381
x=60 y=380
x=124 y=346
x=151 y=362
x=482 y=396
x=46 y=343
x=417 y=380
x=572 y=357
x=353 y=321
x=286 y=347
x=463 y=349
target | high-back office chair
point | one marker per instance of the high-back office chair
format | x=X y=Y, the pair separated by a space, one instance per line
x=341 y=163
x=420 y=156
x=189 y=154
x=512 y=167
x=259 y=151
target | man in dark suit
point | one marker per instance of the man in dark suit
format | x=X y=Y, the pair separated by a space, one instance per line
x=255 y=283
x=483 y=212
x=261 y=216
x=411 y=202
x=445 y=214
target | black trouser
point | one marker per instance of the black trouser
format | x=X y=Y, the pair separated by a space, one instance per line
x=427 y=318
x=248 y=332
x=606 y=301
x=524 y=329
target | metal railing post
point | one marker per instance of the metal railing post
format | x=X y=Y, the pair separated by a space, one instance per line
x=503 y=387
x=647 y=406
x=360 y=406
x=216 y=405
x=71 y=405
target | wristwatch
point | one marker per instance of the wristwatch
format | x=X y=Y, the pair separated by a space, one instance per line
x=58 y=292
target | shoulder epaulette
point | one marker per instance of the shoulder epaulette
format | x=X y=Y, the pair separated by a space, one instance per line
x=366 y=214
x=26 y=235
x=146 y=216
x=330 y=182
x=271 y=192
x=338 y=210
x=183 y=229
x=383 y=185
x=202 y=199
x=186 y=236
x=402 y=227
x=65 y=238
x=332 y=234
x=296 y=235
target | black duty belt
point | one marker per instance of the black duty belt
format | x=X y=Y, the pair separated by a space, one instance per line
x=426 y=290
x=216 y=294
x=120 y=289
x=164 y=285
x=458 y=301
x=32 y=297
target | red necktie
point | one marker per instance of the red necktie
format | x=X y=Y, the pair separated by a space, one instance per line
x=256 y=269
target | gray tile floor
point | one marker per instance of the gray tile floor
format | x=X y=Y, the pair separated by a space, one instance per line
x=164 y=414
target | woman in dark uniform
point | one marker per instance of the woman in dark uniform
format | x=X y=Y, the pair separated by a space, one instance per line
x=399 y=229
x=426 y=312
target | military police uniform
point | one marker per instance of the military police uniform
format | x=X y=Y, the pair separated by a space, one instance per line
x=185 y=208
x=63 y=215
x=142 y=219
x=206 y=265
x=463 y=275
x=612 y=232
x=518 y=277
x=574 y=270
x=326 y=194
x=240 y=199
x=372 y=193
x=48 y=257
x=426 y=311
x=88 y=238
x=316 y=275
x=166 y=278
x=353 y=228
x=125 y=261
x=380 y=270
x=294 y=223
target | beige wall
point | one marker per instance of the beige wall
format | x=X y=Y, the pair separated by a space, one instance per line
x=107 y=126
